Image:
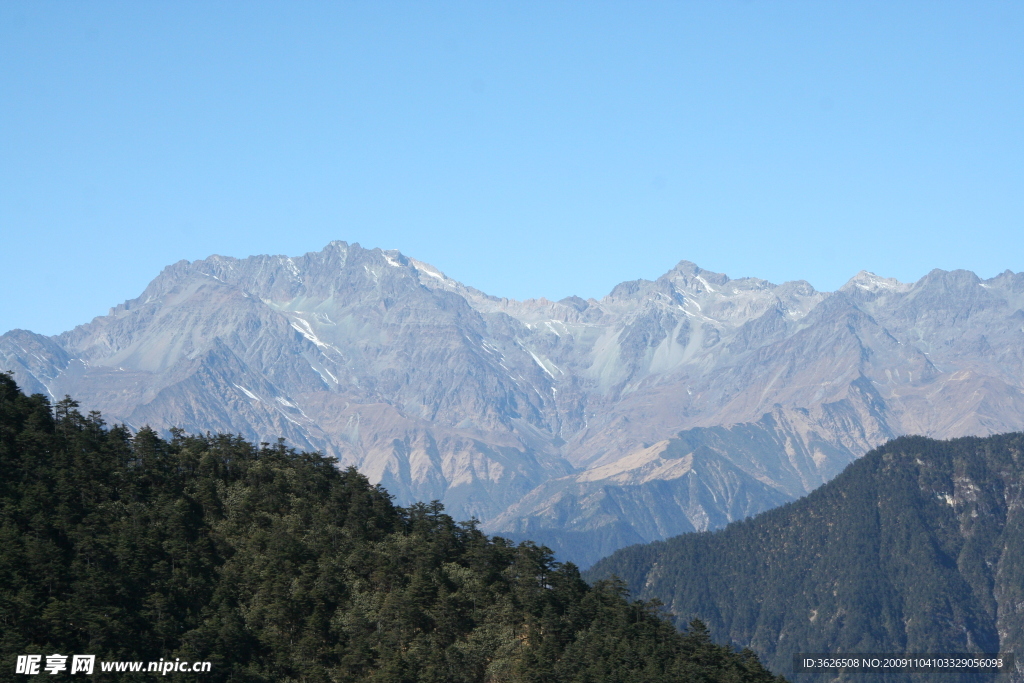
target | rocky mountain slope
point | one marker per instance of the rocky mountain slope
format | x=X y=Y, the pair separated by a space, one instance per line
x=915 y=548
x=677 y=404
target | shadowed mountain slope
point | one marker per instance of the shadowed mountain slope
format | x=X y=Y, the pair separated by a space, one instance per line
x=918 y=547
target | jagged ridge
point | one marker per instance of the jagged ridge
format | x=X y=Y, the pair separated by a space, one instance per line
x=440 y=391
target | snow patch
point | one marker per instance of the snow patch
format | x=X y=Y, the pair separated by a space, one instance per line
x=306 y=331
x=323 y=318
x=542 y=367
x=869 y=282
x=329 y=374
x=705 y=283
x=420 y=268
x=490 y=348
x=249 y=393
x=290 y=263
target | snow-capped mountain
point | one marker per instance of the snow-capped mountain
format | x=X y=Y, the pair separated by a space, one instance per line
x=666 y=406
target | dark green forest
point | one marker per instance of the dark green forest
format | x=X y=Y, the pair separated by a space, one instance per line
x=279 y=566
x=918 y=547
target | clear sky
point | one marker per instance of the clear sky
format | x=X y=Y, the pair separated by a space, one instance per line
x=525 y=148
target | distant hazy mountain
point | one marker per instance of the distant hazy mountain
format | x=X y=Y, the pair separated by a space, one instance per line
x=666 y=406
x=916 y=548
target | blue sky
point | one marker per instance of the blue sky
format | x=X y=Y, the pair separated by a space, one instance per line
x=525 y=148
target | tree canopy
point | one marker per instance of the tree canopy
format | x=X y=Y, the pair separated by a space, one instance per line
x=918 y=547
x=277 y=565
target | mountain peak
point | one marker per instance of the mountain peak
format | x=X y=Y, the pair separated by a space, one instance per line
x=689 y=270
x=867 y=281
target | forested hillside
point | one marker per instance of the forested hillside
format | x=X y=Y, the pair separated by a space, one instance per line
x=916 y=548
x=277 y=566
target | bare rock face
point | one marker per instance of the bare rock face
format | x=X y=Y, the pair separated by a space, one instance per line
x=658 y=492
x=667 y=406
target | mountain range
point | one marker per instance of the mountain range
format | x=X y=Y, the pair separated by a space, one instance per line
x=679 y=404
